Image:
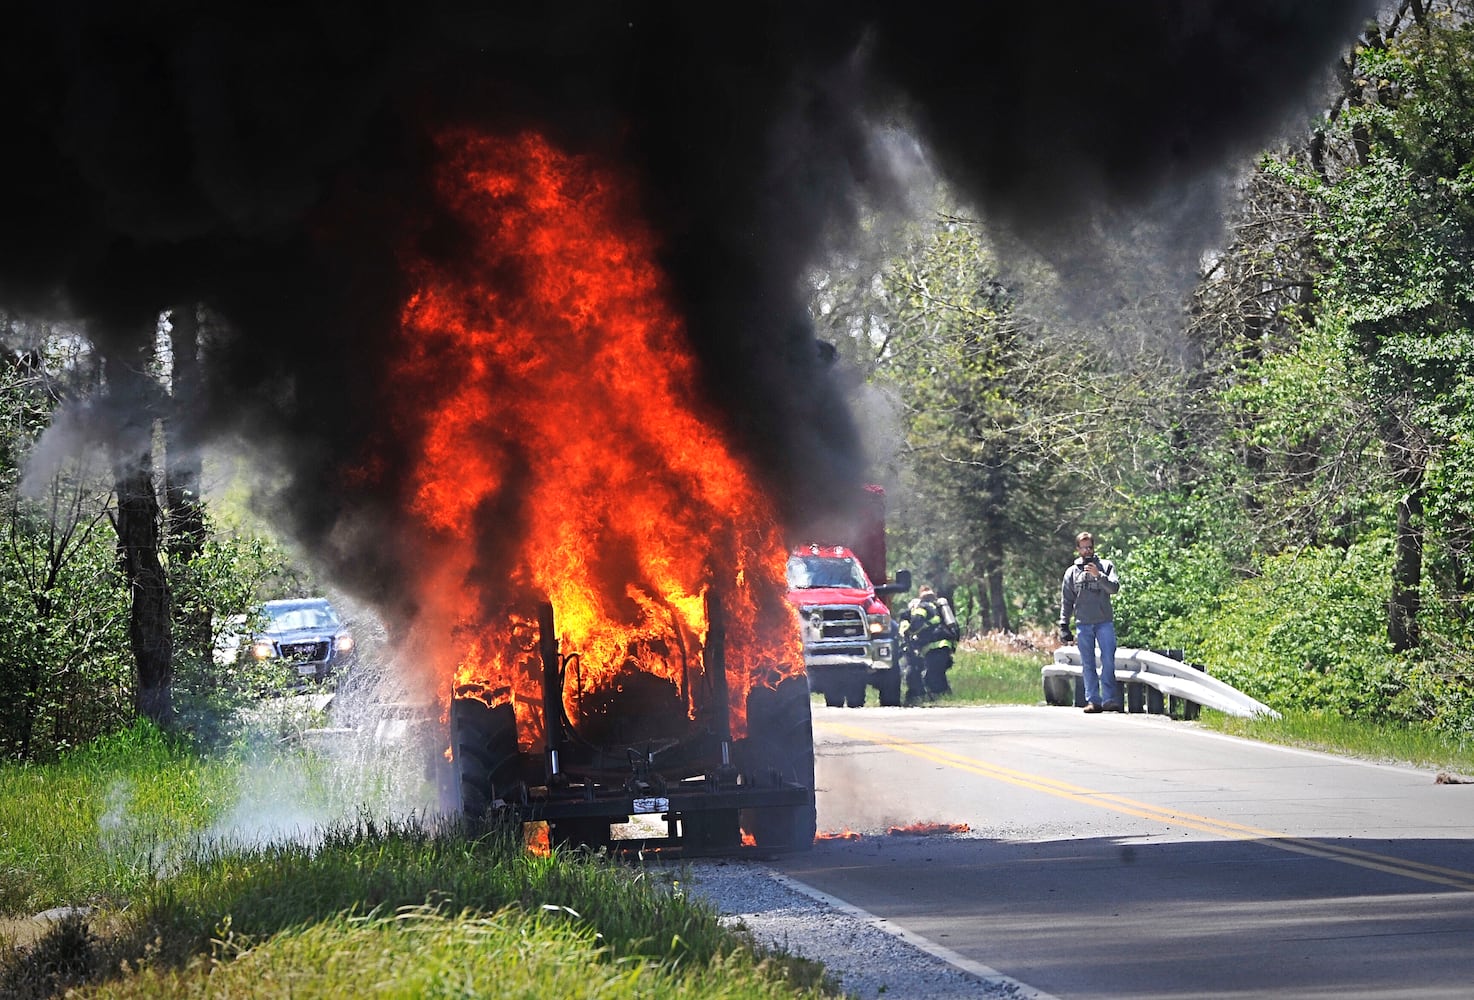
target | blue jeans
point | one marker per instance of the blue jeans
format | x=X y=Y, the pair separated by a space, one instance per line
x=1087 y=635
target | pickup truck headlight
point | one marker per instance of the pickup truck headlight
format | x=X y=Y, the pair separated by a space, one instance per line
x=262 y=649
x=343 y=644
x=879 y=624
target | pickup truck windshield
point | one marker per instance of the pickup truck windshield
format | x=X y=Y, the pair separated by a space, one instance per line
x=823 y=571
x=296 y=619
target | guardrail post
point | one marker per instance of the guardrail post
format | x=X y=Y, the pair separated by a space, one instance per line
x=1135 y=697
x=1178 y=707
x=1191 y=709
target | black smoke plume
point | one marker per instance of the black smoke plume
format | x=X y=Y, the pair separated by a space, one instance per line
x=270 y=161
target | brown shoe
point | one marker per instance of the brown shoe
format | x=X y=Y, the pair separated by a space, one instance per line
x=1092 y=709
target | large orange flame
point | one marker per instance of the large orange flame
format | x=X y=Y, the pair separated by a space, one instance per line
x=565 y=454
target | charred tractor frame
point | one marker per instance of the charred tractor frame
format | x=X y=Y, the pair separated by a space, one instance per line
x=704 y=786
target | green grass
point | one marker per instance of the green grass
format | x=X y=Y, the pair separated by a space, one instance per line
x=984 y=677
x=989 y=677
x=426 y=952
x=137 y=828
x=94 y=828
x=1335 y=734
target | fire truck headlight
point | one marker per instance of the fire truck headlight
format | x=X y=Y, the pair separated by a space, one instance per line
x=879 y=624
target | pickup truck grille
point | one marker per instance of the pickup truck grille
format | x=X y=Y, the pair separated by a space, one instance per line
x=834 y=623
x=304 y=652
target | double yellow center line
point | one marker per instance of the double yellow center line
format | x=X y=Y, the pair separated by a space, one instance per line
x=1450 y=877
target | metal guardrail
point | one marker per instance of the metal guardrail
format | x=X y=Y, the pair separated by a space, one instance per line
x=1158 y=674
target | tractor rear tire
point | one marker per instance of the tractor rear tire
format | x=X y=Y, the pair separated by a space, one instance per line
x=484 y=756
x=779 y=752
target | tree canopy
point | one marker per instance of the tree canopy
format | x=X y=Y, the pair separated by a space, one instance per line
x=1276 y=449
x=1287 y=490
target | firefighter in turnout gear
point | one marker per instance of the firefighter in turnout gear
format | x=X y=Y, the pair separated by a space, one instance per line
x=929 y=635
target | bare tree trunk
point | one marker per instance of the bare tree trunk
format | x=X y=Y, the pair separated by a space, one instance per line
x=1407 y=571
x=184 y=512
x=995 y=524
x=139 y=524
x=1409 y=460
x=148 y=620
x=997 y=604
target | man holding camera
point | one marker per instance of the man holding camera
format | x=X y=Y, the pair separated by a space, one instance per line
x=1085 y=595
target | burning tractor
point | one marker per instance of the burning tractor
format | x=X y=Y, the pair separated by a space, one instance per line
x=568 y=461
x=584 y=758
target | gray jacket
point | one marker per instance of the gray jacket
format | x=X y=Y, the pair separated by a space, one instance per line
x=1085 y=597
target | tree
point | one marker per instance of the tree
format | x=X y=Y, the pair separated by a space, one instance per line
x=981 y=407
x=184 y=511
x=65 y=674
x=68 y=667
x=131 y=395
x=1396 y=231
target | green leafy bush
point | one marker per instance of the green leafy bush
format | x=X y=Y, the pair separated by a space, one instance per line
x=1309 y=632
x=1165 y=586
x=1440 y=684
x=66 y=673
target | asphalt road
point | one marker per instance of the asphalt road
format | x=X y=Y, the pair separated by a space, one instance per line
x=1135 y=856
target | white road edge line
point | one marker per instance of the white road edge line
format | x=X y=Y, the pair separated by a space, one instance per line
x=1323 y=755
x=987 y=974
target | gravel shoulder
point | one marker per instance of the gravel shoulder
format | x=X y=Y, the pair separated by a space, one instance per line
x=869 y=957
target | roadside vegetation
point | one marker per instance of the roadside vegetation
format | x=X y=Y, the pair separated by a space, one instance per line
x=1389 y=744
x=170 y=891
x=1003 y=669
x=996 y=673
x=1272 y=441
